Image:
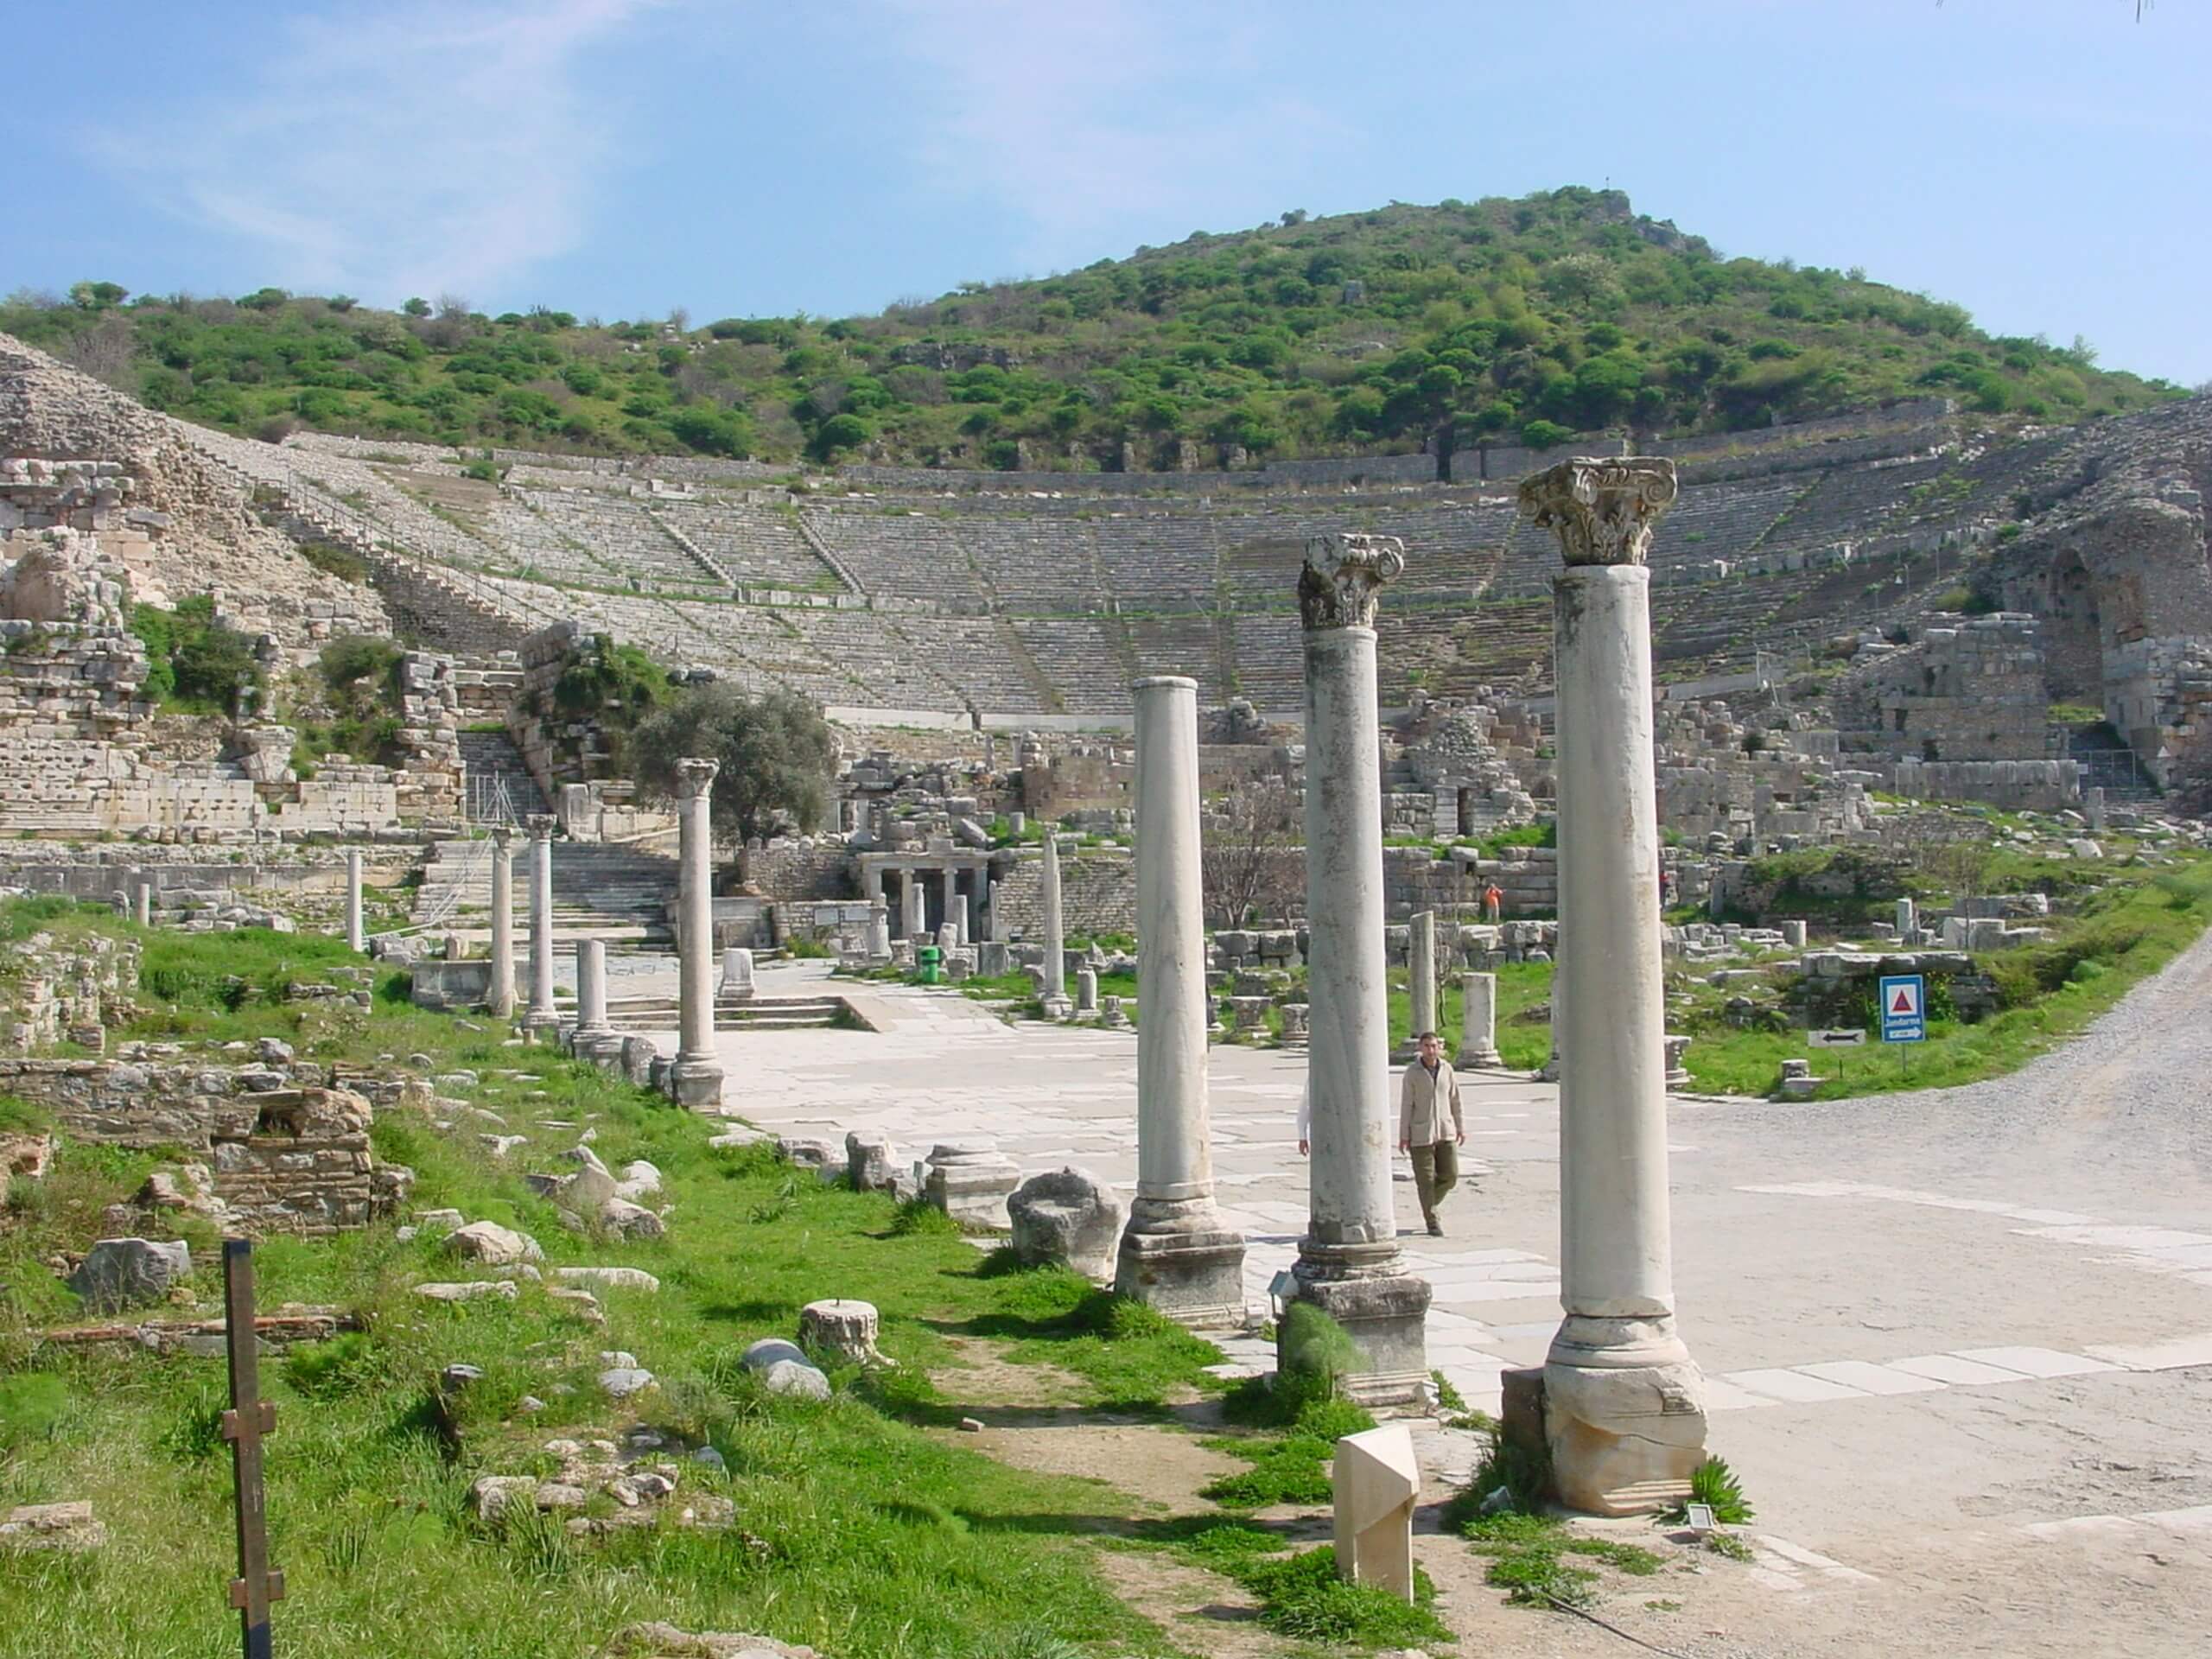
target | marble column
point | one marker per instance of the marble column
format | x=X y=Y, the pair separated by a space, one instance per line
x=1477 y=1024
x=1177 y=1254
x=695 y=1079
x=913 y=921
x=1420 y=976
x=1348 y=1263
x=1623 y=1402
x=357 y=936
x=142 y=902
x=879 y=930
x=593 y=1032
x=500 y=997
x=1057 y=1006
x=950 y=886
x=541 y=1014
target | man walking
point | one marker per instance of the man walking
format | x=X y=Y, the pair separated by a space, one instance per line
x=1430 y=1127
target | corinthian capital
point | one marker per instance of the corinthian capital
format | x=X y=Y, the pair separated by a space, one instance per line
x=503 y=836
x=694 y=777
x=1342 y=576
x=542 y=826
x=1603 y=510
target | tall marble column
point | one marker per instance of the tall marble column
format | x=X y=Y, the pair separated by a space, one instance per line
x=500 y=998
x=950 y=886
x=695 y=1079
x=1057 y=1006
x=1177 y=1253
x=142 y=902
x=1624 y=1403
x=357 y=936
x=914 y=918
x=1477 y=1024
x=1420 y=976
x=1348 y=1263
x=541 y=1013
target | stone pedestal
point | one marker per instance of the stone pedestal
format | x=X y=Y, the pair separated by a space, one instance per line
x=357 y=933
x=1057 y=1006
x=1477 y=1024
x=1908 y=920
x=1086 y=993
x=878 y=930
x=1348 y=1263
x=843 y=1330
x=695 y=1077
x=501 y=997
x=1624 y=1410
x=1375 y=1482
x=2093 y=803
x=1678 y=1075
x=1177 y=1254
x=737 y=974
x=970 y=1181
x=541 y=1015
x=142 y=903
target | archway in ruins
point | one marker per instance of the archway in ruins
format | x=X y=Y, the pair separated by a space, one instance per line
x=2073 y=633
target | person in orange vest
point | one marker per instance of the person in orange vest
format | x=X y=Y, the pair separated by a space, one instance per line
x=1493 y=901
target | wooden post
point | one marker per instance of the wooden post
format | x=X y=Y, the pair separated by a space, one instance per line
x=248 y=1418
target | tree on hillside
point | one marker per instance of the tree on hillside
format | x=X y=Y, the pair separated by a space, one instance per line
x=777 y=756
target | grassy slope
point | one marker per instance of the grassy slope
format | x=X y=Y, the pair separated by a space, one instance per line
x=956 y=1554
x=1564 y=307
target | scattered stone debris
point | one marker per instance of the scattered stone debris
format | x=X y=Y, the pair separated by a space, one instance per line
x=657 y=1640
x=119 y=1273
x=493 y=1245
x=643 y=1477
x=783 y=1368
x=1069 y=1216
x=469 y=1292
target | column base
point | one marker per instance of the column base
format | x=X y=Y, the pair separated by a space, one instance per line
x=1625 y=1417
x=695 y=1083
x=537 y=1020
x=1477 y=1059
x=599 y=1046
x=1059 y=1008
x=1190 y=1267
x=1386 y=1316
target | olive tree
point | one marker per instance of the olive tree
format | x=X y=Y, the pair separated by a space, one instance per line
x=778 y=756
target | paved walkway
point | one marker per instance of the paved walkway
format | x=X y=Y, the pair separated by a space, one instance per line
x=1956 y=1333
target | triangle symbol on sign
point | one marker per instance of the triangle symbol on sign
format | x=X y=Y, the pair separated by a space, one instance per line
x=1903 y=1004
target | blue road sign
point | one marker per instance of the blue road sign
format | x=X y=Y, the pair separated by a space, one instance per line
x=1905 y=1008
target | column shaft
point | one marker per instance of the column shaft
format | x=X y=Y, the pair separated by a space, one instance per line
x=357 y=936
x=1056 y=953
x=695 y=1079
x=1420 y=972
x=1478 y=1022
x=1176 y=1253
x=501 y=995
x=541 y=1011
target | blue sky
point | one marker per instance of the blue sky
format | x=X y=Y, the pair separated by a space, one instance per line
x=2047 y=163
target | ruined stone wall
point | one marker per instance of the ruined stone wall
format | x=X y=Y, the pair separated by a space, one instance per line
x=2048 y=785
x=1973 y=692
x=790 y=871
x=1098 y=892
x=287 y=1156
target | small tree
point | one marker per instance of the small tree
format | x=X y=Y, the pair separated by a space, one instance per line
x=777 y=756
x=1245 y=858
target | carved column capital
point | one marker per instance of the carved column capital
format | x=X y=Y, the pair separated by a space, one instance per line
x=1342 y=576
x=1602 y=510
x=542 y=826
x=694 y=777
x=503 y=836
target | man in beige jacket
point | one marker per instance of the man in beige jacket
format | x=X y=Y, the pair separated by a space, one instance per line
x=1430 y=1127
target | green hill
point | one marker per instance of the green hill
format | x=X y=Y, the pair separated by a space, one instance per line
x=1366 y=332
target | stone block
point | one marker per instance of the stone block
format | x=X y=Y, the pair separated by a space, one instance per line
x=120 y=1273
x=1067 y=1216
x=970 y=1181
x=1375 y=1482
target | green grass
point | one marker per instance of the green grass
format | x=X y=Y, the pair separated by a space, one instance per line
x=959 y=1555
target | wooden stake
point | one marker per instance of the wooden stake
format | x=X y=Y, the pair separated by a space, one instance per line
x=248 y=1418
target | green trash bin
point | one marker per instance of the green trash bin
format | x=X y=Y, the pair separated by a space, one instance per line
x=930 y=958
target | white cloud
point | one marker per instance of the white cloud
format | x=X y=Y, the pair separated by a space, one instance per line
x=404 y=151
x=1089 y=120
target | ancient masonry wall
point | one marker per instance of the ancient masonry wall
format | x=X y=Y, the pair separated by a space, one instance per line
x=1098 y=892
x=795 y=870
x=1972 y=692
x=51 y=989
x=284 y=1159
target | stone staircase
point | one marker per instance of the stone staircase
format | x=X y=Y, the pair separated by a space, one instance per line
x=659 y=1013
x=501 y=788
x=614 y=893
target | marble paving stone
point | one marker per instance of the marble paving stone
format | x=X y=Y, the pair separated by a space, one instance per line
x=1792 y=1388
x=1870 y=1378
x=1949 y=1368
x=2036 y=1361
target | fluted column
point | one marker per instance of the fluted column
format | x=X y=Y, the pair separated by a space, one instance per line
x=541 y=1013
x=1177 y=1254
x=357 y=936
x=695 y=1079
x=1349 y=1262
x=1625 y=1408
x=501 y=995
